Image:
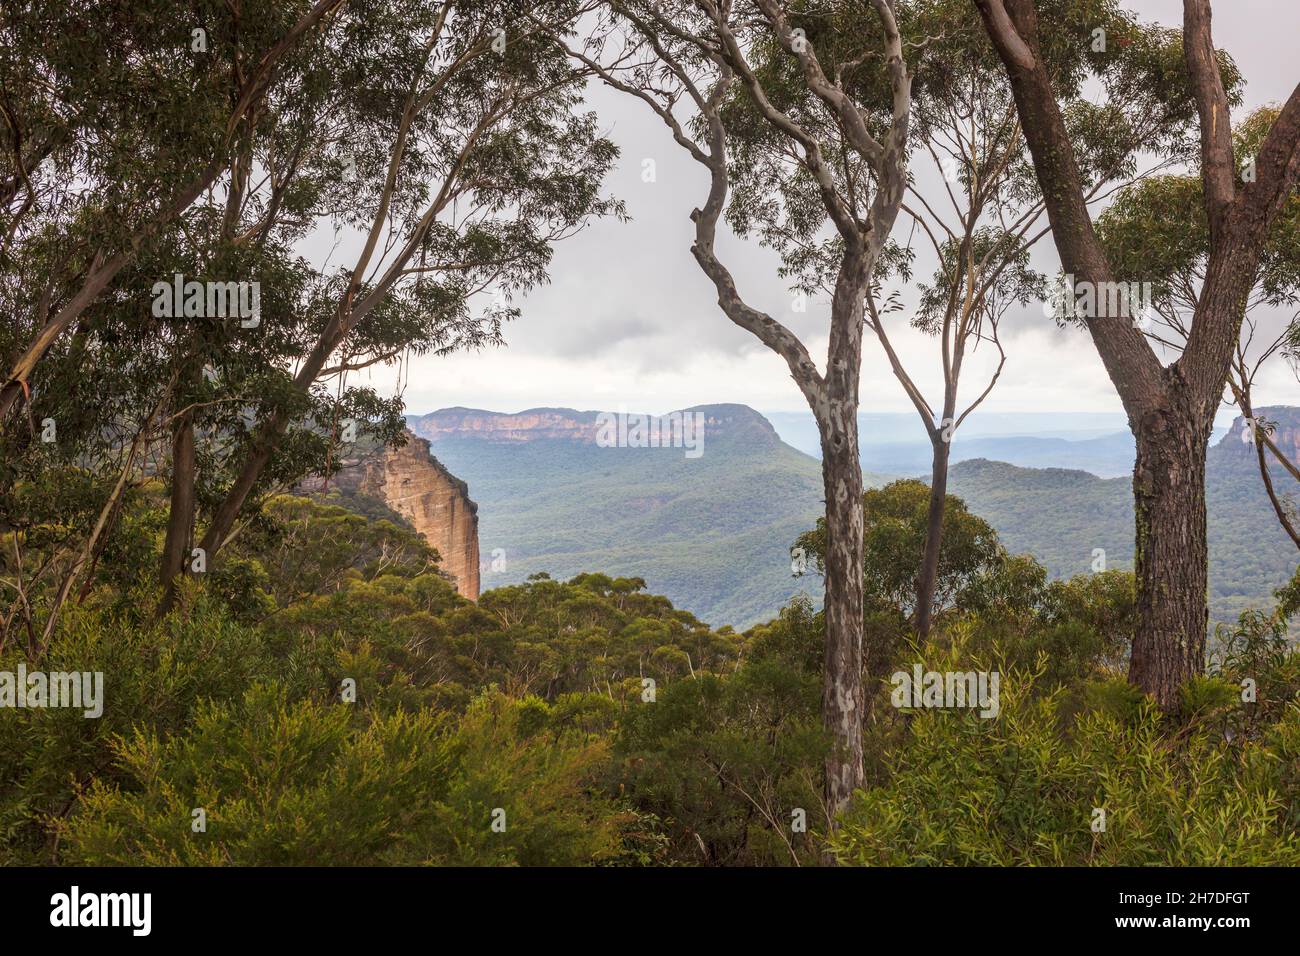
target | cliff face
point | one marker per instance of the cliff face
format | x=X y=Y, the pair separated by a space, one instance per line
x=530 y=425
x=540 y=424
x=417 y=486
x=1286 y=436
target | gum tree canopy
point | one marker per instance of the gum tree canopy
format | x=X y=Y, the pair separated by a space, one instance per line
x=1170 y=409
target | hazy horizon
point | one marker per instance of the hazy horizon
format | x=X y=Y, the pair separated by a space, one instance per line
x=982 y=423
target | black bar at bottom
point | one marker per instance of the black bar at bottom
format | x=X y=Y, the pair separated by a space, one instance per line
x=581 y=906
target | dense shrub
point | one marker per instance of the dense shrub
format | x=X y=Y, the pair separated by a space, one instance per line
x=156 y=678
x=309 y=783
x=726 y=760
x=326 y=697
x=1025 y=788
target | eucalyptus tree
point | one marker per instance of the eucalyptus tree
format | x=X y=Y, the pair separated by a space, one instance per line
x=1170 y=408
x=981 y=274
x=117 y=118
x=978 y=214
x=446 y=139
x=762 y=94
x=473 y=157
x=1159 y=229
x=978 y=229
x=119 y=123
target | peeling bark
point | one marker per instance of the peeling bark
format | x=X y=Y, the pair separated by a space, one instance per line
x=842 y=694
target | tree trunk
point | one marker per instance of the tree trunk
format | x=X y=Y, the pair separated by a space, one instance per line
x=180 y=518
x=264 y=446
x=1170 y=425
x=928 y=576
x=842 y=696
x=1171 y=553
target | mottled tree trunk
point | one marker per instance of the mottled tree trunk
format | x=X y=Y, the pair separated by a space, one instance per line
x=1171 y=553
x=928 y=576
x=842 y=695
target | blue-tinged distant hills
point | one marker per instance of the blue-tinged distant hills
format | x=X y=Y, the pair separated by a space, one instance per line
x=893 y=443
x=713 y=532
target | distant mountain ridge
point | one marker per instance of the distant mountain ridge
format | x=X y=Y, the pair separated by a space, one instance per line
x=539 y=424
x=1061 y=515
x=529 y=425
x=1285 y=435
x=713 y=534
x=895 y=444
x=1107 y=456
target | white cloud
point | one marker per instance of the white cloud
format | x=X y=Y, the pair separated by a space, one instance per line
x=629 y=319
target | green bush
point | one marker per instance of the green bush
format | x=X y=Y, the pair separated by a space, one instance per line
x=156 y=677
x=306 y=783
x=725 y=761
x=1023 y=788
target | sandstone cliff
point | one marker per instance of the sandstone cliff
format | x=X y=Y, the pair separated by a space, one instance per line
x=531 y=425
x=727 y=421
x=413 y=483
x=1285 y=435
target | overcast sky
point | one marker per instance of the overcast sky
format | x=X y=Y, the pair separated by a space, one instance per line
x=629 y=320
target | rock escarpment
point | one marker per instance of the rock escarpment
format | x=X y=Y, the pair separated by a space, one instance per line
x=533 y=424
x=415 y=485
x=1285 y=432
x=725 y=421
